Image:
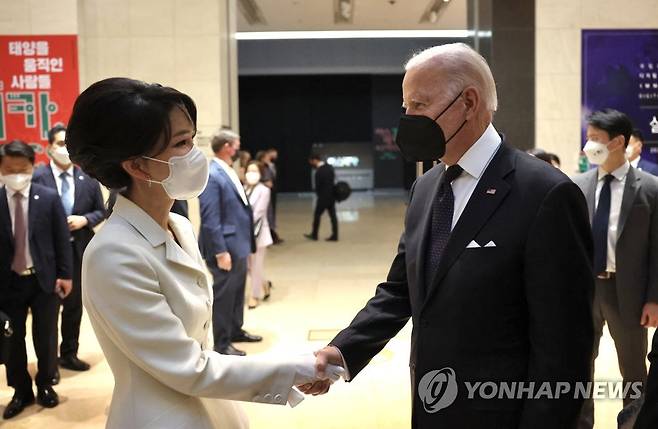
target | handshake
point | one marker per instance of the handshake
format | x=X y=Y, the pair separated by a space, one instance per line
x=315 y=375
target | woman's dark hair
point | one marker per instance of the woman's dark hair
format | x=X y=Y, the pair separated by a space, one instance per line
x=17 y=148
x=260 y=165
x=118 y=119
x=612 y=121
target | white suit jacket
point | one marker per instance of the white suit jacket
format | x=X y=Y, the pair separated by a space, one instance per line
x=259 y=199
x=150 y=305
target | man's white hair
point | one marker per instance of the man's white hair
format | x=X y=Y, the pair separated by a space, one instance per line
x=463 y=67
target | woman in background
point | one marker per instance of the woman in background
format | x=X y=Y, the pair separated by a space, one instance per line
x=259 y=198
x=144 y=282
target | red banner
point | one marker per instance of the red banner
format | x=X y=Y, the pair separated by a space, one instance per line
x=38 y=86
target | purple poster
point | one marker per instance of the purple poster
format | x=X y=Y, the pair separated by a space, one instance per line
x=620 y=71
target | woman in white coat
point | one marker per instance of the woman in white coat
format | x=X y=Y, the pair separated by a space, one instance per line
x=259 y=198
x=144 y=285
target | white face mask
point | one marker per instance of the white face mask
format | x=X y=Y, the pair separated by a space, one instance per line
x=17 y=182
x=61 y=155
x=597 y=153
x=253 y=177
x=188 y=175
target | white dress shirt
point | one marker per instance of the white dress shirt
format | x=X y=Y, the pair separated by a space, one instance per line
x=616 y=196
x=474 y=162
x=58 y=180
x=12 y=208
x=234 y=178
x=636 y=162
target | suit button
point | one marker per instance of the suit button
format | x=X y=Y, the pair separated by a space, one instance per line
x=277 y=399
x=205 y=325
x=199 y=282
x=267 y=397
x=209 y=303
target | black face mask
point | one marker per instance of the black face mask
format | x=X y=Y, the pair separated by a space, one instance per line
x=421 y=139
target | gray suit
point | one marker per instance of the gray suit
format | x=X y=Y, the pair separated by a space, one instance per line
x=619 y=301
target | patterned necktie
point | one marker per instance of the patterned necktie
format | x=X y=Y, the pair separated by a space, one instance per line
x=600 y=227
x=442 y=213
x=19 y=263
x=67 y=195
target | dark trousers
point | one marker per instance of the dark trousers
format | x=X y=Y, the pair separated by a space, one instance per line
x=72 y=311
x=228 y=302
x=25 y=293
x=630 y=341
x=320 y=208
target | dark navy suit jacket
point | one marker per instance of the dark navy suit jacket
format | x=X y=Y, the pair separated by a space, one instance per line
x=648 y=166
x=88 y=201
x=226 y=221
x=48 y=237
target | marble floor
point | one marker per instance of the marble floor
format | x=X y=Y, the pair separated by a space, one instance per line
x=318 y=287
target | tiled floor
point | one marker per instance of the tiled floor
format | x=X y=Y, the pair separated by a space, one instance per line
x=318 y=289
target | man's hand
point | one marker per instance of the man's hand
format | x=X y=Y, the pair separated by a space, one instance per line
x=323 y=358
x=224 y=261
x=63 y=287
x=649 y=317
x=76 y=222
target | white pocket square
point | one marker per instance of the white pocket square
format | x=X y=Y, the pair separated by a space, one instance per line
x=490 y=244
x=473 y=245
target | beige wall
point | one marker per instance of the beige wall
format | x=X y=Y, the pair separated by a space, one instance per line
x=558 y=93
x=38 y=17
x=179 y=43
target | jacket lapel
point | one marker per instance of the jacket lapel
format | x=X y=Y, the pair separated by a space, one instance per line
x=50 y=177
x=231 y=184
x=589 y=189
x=156 y=236
x=426 y=221
x=5 y=216
x=182 y=255
x=78 y=179
x=33 y=204
x=631 y=188
x=479 y=209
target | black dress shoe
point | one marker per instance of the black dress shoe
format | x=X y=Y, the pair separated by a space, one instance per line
x=311 y=237
x=17 y=405
x=246 y=337
x=56 y=379
x=47 y=397
x=230 y=350
x=332 y=239
x=74 y=364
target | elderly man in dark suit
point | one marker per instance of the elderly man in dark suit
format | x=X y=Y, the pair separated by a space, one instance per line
x=226 y=240
x=35 y=267
x=623 y=208
x=493 y=268
x=82 y=200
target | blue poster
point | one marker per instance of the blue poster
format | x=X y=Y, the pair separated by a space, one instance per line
x=620 y=71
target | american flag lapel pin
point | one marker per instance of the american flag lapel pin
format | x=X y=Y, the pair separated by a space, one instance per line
x=491 y=191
